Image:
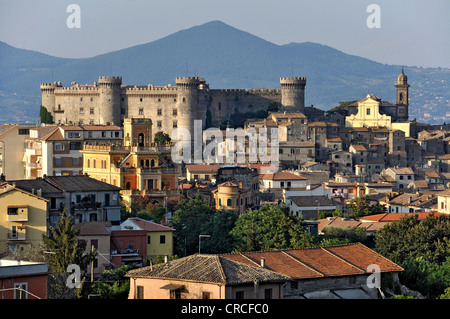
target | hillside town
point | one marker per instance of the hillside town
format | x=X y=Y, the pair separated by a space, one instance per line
x=103 y=189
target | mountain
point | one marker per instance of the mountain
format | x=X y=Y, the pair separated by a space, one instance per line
x=227 y=58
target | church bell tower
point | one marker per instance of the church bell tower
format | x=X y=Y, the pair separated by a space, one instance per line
x=402 y=89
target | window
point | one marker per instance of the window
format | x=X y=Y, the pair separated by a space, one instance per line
x=229 y=202
x=159 y=112
x=91 y=110
x=368 y=111
x=74 y=160
x=220 y=201
x=20 y=291
x=140 y=100
x=268 y=293
x=206 y=295
x=81 y=110
x=175 y=125
x=94 y=242
x=141 y=111
x=59 y=147
x=12 y=211
x=174 y=112
x=24 y=131
x=159 y=124
x=149 y=240
x=88 y=163
x=162 y=239
x=58 y=161
x=140 y=292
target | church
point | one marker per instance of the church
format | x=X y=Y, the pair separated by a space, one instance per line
x=372 y=111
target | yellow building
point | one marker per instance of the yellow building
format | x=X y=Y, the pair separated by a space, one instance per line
x=23 y=218
x=232 y=196
x=137 y=165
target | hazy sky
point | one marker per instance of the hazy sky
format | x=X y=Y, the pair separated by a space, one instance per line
x=412 y=32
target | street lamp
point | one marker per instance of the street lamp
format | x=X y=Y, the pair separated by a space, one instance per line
x=199 y=240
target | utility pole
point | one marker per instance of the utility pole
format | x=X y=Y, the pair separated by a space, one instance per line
x=92 y=264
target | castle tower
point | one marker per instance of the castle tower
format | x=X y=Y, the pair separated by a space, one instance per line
x=402 y=97
x=187 y=102
x=293 y=93
x=48 y=94
x=109 y=106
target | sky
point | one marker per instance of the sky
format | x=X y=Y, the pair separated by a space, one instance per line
x=408 y=32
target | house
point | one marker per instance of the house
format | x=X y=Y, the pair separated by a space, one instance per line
x=23 y=219
x=128 y=246
x=309 y=206
x=85 y=198
x=97 y=236
x=160 y=239
x=232 y=196
x=12 y=137
x=56 y=150
x=293 y=153
x=204 y=173
x=345 y=223
x=23 y=279
x=277 y=182
x=399 y=176
x=341 y=161
x=205 y=277
x=360 y=153
x=410 y=203
x=329 y=272
x=443 y=202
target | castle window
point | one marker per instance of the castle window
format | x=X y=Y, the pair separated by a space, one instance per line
x=141 y=111
x=91 y=122
x=81 y=110
x=175 y=125
x=159 y=99
x=174 y=112
x=159 y=112
x=81 y=99
x=220 y=106
x=174 y=100
x=140 y=99
x=92 y=99
x=184 y=99
x=91 y=110
x=159 y=124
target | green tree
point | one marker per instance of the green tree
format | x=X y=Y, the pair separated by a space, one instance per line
x=342 y=108
x=270 y=227
x=219 y=227
x=188 y=218
x=361 y=206
x=63 y=250
x=410 y=238
x=161 y=138
x=45 y=117
x=113 y=284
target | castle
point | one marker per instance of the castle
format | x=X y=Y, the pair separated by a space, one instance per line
x=108 y=101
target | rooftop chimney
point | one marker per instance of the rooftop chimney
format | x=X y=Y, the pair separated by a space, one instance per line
x=263 y=262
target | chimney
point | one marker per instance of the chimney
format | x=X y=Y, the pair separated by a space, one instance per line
x=166 y=259
x=39 y=192
x=263 y=262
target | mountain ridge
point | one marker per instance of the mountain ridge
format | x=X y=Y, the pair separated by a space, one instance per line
x=225 y=56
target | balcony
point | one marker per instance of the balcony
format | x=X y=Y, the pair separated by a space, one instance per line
x=125 y=252
x=19 y=234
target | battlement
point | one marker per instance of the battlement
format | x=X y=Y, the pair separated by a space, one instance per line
x=293 y=80
x=189 y=81
x=47 y=86
x=110 y=80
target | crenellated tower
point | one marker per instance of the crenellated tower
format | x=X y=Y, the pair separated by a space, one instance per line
x=48 y=94
x=109 y=106
x=293 y=93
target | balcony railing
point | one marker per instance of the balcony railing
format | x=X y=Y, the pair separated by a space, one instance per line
x=128 y=252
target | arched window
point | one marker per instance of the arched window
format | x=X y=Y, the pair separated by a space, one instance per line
x=95 y=163
x=220 y=201
x=152 y=163
x=128 y=185
x=147 y=163
x=142 y=162
x=141 y=139
x=229 y=202
x=88 y=163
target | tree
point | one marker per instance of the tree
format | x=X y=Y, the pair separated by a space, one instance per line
x=410 y=238
x=188 y=218
x=361 y=206
x=161 y=138
x=112 y=284
x=219 y=227
x=45 y=117
x=270 y=227
x=63 y=250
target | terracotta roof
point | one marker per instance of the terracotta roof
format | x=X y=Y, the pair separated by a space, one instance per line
x=432 y=174
x=213 y=168
x=210 y=269
x=149 y=225
x=402 y=170
x=337 y=222
x=330 y=261
x=282 y=176
x=54 y=135
x=391 y=217
x=359 y=148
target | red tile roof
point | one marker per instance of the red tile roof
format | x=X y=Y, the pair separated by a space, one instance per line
x=282 y=176
x=391 y=217
x=330 y=261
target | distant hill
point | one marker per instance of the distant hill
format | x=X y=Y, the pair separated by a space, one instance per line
x=227 y=58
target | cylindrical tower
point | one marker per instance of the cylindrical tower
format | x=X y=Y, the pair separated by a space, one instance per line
x=48 y=94
x=187 y=102
x=293 y=94
x=109 y=104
